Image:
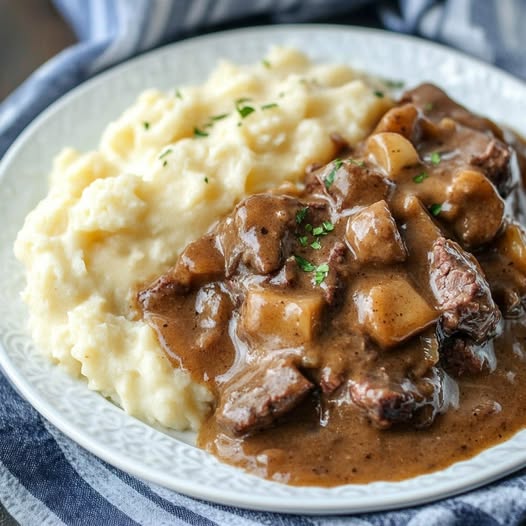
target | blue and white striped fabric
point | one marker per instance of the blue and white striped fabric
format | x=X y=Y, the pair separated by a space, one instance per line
x=45 y=478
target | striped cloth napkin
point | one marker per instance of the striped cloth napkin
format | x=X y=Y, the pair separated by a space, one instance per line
x=45 y=478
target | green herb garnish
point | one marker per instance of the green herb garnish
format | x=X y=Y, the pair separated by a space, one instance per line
x=379 y=94
x=165 y=153
x=304 y=265
x=321 y=273
x=219 y=117
x=243 y=109
x=178 y=94
x=394 y=84
x=266 y=63
x=357 y=163
x=337 y=163
x=301 y=214
x=328 y=226
x=269 y=106
x=206 y=180
x=435 y=209
x=316 y=245
x=318 y=231
x=420 y=177
x=435 y=158
x=165 y=162
x=146 y=125
x=303 y=241
x=308 y=227
x=200 y=133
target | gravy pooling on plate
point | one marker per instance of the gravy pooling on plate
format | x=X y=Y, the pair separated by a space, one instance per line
x=370 y=325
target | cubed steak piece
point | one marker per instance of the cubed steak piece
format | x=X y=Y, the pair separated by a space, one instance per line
x=259 y=233
x=495 y=163
x=348 y=183
x=462 y=292
x=460 y=356
x=254 y=401
x=382 y=404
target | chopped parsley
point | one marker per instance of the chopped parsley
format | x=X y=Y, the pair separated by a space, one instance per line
x=219 y=117
x=200 y=133
x=269 y=106
x=328 y=226
x=321 y=273
x=165 y=162
x=206 y=180
x=301 y=214
x=304 y=265
x=435 y=158
x=166 y=152
x=316 y=245
x=337 y=163
x=318 y=231
x=266 y=63
x=394 y=84
x=379 y=94
x=146 y=125
x=435 y=209
x=420 y=177
x=303 y=241
x=308 y=227
x=178 y=94
x=243 y=109
x=357 y=163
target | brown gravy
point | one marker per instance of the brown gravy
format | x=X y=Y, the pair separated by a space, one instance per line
x=370 y=326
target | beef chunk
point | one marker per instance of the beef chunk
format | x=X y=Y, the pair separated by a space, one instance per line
x=259 y=233
x=199 y=263
x=348 y=184
x=260 y=397
x=373 y=237
x=462 y=292
x=461 y=356
x=384 y=405
x=495 y=163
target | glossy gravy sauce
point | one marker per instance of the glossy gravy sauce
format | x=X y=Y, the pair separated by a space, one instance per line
x=386 y=379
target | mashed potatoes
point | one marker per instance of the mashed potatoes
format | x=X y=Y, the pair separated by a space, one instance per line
x=168 y=168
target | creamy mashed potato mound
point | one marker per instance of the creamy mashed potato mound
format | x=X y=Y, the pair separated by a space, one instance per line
x=170 y=166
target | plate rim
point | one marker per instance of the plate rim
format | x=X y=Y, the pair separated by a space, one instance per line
x=226 y=496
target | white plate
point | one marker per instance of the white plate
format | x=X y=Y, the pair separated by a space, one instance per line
x=78 y=120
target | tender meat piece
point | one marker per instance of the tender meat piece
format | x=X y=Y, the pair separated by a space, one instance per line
x=495 y=163
x=259 y=233
x=435 y=103
x=387 y=402
x=199 y=263
x=373 y=237
x=261 y=396
x=348 y=183
x=462 y=292
x=477 y=210
x=213 y=309
x=334 y=282
x=390 y=310
x=383 y=405
x=462 y=356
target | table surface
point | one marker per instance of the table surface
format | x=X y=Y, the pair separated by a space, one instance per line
x=31 y=32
